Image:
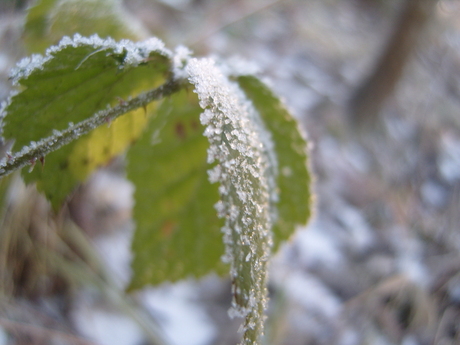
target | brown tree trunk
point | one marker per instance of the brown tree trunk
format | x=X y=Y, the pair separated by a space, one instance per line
x=368 y=98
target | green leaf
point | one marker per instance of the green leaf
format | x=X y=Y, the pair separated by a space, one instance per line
x=54 y=178
x=241 y=147
x=73 y=163
x=72 y=82
x=48 y=21
x=293 y=177
x=178 y=231
x=105 y=142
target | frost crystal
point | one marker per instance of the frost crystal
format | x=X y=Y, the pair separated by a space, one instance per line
x=181 y=56
x=240 y=144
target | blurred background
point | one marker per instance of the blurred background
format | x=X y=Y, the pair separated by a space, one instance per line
x=376 y=85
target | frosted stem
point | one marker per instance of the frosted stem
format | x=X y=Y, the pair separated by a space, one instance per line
x=29 y=155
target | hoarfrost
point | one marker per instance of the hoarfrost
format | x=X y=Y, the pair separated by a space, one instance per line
x=236 y=67
x=56 y=132
x=240 y=144
x=181 y=56
x=4 y=106
x=135 y=53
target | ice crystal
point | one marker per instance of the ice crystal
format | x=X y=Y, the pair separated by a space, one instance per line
x=181 y=56
x=239 y=145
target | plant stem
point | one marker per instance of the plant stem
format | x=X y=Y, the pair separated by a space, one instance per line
x=31 y=154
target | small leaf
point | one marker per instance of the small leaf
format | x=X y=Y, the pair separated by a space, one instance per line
x=178 y=232
x=293 y=178
x=69 y=84
x=48 y=21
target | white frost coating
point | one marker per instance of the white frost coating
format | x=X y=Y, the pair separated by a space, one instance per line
x=136 y=52
x=239 y=145
x=181 y=56
x=4 y=105
x=235 y=67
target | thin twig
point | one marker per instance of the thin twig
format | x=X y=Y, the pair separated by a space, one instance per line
x=31 y=154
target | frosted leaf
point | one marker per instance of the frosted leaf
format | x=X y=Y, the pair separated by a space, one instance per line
x=287 y=151
x=134 y=53
x=71 y=82
x=5 y=104
x=240 y=144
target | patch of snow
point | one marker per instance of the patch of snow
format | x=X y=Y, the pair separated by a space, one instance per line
x=3 y=337
x=114 y=249
x=359 y=236
x=238 y=66
x=349 y=337
x=409 y=256
x=357 y=157
x=105 y=327
x=315 y=247
x=453 y=287
x=400 y=128
x=182 y=318
x=309 y=292
x=412 y=267
x=433 y=194
x=410 y=340
x=449 y=158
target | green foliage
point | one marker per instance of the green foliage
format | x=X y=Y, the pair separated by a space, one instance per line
x=293 y=178
x=240 y=146
x=178 y=231
x=220 y=157
x=69 y=85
